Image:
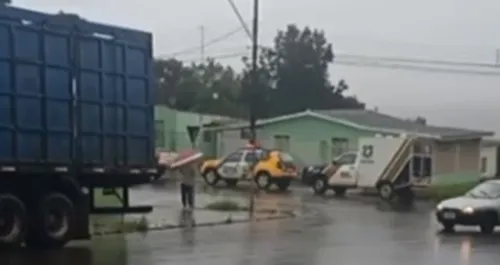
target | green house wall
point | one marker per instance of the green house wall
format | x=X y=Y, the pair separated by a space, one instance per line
x=307 y=134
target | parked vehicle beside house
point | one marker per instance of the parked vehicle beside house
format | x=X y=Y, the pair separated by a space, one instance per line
x=478 y=207
x=266 y=167
x=393 y=165
x=332 y=175
x=77 y=115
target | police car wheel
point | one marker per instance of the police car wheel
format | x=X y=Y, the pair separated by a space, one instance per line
x=211 y=177
x=263 y=180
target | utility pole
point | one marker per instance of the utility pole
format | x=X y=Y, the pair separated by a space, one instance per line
x=202 y=61
x=255 y=75
x=202 y=44
x=254 y=87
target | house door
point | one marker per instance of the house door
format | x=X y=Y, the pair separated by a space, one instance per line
x=323 y=151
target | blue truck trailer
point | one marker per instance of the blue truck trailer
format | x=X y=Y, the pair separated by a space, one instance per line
x=76 y=114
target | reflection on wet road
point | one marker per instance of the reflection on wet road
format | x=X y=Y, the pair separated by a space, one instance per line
x=332 y=232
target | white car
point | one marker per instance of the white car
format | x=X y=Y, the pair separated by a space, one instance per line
x=478 y=207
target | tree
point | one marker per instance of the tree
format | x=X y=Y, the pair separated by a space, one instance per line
x=206 y=88
x=293 y=74
x=177 y=85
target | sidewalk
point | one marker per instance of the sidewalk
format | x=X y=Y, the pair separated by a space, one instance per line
x=168 y=213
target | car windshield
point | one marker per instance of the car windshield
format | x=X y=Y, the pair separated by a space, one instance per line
x=488 y=190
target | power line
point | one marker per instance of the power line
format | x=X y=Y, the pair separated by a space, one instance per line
x=240 y=18
x=196 y=49
x=418 y=61
x=394 y=66
x=412 y=60
x=415 y=68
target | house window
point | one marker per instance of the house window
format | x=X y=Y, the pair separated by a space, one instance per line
x=484 y=164
x=422 y=160
x=208 y=136
x=160 y=133
x=339 y=146
x=282 y=142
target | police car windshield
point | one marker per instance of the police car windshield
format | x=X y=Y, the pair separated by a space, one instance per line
x=486 y=190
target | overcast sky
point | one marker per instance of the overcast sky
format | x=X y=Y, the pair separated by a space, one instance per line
x=431 y=29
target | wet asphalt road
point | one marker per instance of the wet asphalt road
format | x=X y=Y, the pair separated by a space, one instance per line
x=332 y=231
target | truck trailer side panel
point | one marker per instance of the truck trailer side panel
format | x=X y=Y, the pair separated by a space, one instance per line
x=74 y=95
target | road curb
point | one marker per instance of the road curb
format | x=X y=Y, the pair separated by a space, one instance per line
x=283 y=216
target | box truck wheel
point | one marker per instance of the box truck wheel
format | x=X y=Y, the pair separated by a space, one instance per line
x=385 y=190
x=13 y=221
x=53 y=222
x=211 y=177
x=320 y=185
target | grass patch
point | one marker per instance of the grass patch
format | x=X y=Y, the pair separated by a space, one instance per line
x=225 y=206
x=443 y=192
x=125 y=226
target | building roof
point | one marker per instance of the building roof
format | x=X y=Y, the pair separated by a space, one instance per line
x=377 y=122
x=490 y=141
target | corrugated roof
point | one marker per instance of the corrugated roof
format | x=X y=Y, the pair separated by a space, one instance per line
x=374 y=119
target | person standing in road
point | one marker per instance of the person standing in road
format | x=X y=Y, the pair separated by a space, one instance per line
x=188 y=178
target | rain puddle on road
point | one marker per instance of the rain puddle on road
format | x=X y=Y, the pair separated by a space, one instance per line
x=106 y=251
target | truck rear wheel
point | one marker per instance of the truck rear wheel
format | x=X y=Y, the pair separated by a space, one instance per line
x=13 y=221
x=53 y=222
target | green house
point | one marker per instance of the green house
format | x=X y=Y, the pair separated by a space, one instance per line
x=318 y=136
x=171 y=128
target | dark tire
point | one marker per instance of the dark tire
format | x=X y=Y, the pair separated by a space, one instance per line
x=283 y=184
x=13 y=221
x=339 y=191
x=211 y=177
x=385 y=191
x=320 y=185
x=53 y=222
x=448 y=227
x=231 y=182
x=406 y=196
x=487 y=228
x=263 y=180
